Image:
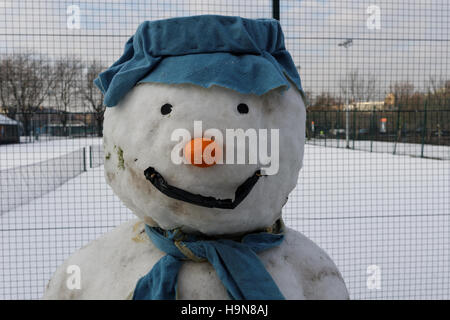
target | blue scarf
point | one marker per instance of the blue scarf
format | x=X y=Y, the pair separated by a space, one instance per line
x=236 y=264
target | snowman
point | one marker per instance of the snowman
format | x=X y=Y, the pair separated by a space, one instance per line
x=204 y=136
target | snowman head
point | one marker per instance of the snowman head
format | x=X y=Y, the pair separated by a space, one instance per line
x=206 y=140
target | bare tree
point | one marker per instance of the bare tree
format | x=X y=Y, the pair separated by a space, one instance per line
x=92 y=95
x=67 y=73
x=439 y=92
x=324 y=101
x=403 y=93
x=25 y=82
x=6 y=95
x=359 y=87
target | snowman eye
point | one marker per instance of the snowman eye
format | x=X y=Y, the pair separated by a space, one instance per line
x=242 y=108
x=166 y=109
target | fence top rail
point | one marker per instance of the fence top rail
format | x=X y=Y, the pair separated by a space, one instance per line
x=381 y=111
x=51 y=113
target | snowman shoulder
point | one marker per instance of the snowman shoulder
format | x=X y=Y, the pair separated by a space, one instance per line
x=318 y=274
x=107 y=267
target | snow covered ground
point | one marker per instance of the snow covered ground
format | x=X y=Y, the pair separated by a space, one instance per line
x=365 y=209
x=14 y=155
x=378 y=209
x=30 y=170
x=38 y=236
x=441 y=152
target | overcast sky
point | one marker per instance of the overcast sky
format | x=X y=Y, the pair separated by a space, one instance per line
x=392 y=40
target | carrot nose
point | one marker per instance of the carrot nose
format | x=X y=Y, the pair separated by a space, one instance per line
x=201 y=152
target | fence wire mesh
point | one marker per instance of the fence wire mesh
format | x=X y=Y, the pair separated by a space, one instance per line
x=375 y=185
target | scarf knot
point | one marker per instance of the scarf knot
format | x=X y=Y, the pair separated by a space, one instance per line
x=234 y=260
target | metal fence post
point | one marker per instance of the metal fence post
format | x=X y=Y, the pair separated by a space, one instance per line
x=338 y=125
x=90 y=156
x=372 y=127
x=325 y=128
x=84 y=159
x=424 y=127
x=276 y=9
x=70 y=125
x=354 y=127
x=398 y=128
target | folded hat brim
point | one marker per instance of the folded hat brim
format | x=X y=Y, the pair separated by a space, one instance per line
x=243 y=73
x=245 y=55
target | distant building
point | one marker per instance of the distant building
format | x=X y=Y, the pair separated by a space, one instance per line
x=9 y=130
x=368 y=106
x=387 y=104
x=72 y=128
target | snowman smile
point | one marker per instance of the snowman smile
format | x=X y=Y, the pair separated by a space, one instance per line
x=241 y=193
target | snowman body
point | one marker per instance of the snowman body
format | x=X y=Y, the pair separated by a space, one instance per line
x=139 y=134
x=111 y=266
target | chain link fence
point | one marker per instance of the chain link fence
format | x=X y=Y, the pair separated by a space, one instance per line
x=374 y=188
x=418 y=133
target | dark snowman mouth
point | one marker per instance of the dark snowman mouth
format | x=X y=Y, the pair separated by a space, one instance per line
x=210 y=202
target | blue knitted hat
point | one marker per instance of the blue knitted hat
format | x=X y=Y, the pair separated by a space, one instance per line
x=245 y=55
